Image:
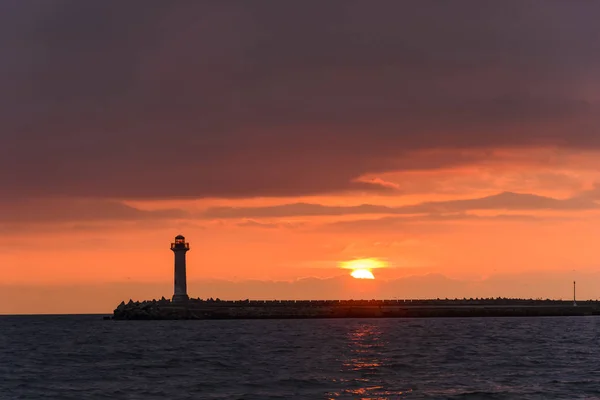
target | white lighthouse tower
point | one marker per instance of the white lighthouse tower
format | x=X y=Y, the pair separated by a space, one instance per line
x=180 y=247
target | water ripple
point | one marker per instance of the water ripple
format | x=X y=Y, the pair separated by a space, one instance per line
x=83 y=357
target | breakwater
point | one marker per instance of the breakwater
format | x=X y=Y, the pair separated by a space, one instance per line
x=164 y=309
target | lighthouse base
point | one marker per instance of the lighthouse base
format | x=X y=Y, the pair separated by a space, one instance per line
x=180 y=298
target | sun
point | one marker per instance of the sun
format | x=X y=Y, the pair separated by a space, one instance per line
x=362 y=274
x=361 y=268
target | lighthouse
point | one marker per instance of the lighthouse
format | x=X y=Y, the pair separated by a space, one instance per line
x=180 y=247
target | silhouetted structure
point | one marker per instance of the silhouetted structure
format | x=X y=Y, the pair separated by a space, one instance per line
x=182 y=307
x=180 y=247
x=285 y=309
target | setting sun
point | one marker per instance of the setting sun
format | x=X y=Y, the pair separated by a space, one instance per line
x=361 y=268
x=362 y=274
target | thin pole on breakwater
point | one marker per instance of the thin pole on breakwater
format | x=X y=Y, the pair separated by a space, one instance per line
x=574 y=302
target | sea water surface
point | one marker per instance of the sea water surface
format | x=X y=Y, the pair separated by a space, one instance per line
x=84 y=357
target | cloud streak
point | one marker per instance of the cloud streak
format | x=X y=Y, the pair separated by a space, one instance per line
x=81 y=210
x=501 y=201
x=75 y=210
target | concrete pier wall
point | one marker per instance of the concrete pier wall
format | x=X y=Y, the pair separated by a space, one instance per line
x=199 y=309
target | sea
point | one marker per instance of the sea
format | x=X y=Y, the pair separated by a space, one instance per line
x=85 y=357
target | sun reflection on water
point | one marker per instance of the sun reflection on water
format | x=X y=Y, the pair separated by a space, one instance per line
x=364 y=365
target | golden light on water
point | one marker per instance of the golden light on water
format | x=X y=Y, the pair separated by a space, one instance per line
x=361 y=268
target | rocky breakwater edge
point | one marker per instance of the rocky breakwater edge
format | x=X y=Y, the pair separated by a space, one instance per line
x=196 y=309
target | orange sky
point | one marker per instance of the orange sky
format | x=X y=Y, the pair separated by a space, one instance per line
x=459 y=143
x=510 y=237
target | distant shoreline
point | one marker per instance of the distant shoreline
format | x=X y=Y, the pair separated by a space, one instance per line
x=196 y=309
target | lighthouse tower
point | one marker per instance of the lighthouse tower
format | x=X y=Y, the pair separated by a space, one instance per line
x=180 y=247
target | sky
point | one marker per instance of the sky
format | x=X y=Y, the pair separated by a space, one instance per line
x=456 y=142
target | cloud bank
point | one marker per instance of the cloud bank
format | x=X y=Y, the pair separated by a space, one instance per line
x=104 y=298
x=178 y=104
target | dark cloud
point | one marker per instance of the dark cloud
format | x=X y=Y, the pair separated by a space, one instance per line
x=292 y=210
x=502 y=201
x=154 y=99
x=250 y=223
x=76 y=210
x=410 y=225
x=590 y=194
